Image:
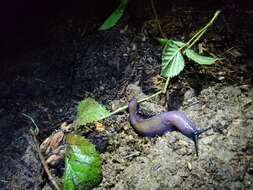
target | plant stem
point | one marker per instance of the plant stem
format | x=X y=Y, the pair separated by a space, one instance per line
x=157 y=19
x=34 y=133
x=43 y=161
x=196 y=39
x=123 y=108
x=166 y=85
x=198 y=35
x=189 y=44
x=149 y=97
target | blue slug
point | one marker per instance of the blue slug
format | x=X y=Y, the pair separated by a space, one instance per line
x=162 y=123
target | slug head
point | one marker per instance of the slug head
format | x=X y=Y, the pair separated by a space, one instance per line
x=196 y=137
x=133 y=106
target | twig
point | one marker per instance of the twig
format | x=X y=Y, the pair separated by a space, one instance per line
x=36 y=129
x=166 y=85
x=192 y=41
x=131 y=155
x=157 y=19
x=149 y=97
x=42 y=159
x=123 y=108
x=228 y=50
x=198 y=35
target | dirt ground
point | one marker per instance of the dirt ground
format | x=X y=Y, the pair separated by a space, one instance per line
x=74 y=61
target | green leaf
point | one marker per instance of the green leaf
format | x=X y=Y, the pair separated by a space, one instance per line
x=200 y=59
x=89 y=111
x=179 y=44
x=172 y=60
x=164 y=41
x=83 y=168
x=114 y=17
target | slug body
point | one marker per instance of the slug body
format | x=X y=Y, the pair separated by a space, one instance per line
x=162 y=123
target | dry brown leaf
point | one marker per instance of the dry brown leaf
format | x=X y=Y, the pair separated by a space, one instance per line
x=52 y=142
x=59 y=150
x=65 y=127
x=44 y=145
x=99 y=127
x=56 y=139
x=54 y=159
x=157 y=81
x=57 y=156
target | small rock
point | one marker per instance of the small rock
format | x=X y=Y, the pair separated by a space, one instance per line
x=133 y=90
x=236 y=185
x=189 y=94
x=189 y=166
x=148 y=108
x=182 y=173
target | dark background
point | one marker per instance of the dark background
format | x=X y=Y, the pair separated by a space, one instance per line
x=25 y=23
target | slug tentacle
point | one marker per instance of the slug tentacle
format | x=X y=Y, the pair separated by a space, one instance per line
x=195 y=140
x=162 y=123
x=200 y=131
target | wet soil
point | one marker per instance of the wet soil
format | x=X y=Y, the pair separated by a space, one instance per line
x=73 y=61
x=169 y=162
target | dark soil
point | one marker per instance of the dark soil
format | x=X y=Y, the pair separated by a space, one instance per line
x=66 y=59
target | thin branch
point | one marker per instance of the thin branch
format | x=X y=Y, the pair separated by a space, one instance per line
x=166 y=85
x=157 y=19
x=36 y=127
x=198 y=35
x=196 y=39
x=42 y=159
x=192 y=41
x=149 y=97
x=123 y=108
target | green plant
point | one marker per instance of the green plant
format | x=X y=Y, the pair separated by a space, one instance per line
x=89 y=111
x=114 y=17
x=83 y=165
x=172 y=64
x=174 y=52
